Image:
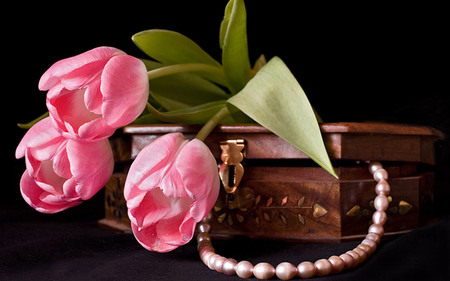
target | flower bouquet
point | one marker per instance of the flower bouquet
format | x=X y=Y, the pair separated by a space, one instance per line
x=174 y=182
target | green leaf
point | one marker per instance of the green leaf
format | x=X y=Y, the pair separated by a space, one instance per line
x=224 y=23
x=171 y=47
x=233 y=40
x=275 y=99
x=146 y=119
x=182 y=90
x=195 y=115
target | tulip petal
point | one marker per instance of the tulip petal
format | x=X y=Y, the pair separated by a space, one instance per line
x=187 y=228
x=33 y=194
x=168 y=230
x=149 y=240
x=71 y=109
x=125 y=90
x=69 y=190
x=47 y=179
x=198 y=170
x=96 y=129
x=149 y=163
x=178 y=230
x=91 y=165
x=76 y=71
x=42 y=135
x=93 y=97
x=153 y=207
x=61 y=164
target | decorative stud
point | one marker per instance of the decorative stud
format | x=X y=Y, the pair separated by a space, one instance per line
x=301 y=201
x=222 y=217
x=257 y=200
x=404 y=207
x=319 y=211
x=269 y=202
x=230 y=220
x=353 y=211
x=266 y=216
x=284 y=200
x=283 y=219
x=301 y=219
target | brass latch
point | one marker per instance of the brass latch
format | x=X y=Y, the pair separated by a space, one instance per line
x=231 y=171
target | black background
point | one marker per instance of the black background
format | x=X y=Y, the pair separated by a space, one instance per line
x=378 y=62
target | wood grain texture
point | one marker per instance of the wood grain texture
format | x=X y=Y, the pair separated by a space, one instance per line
x=349 y=141
x=284 y=195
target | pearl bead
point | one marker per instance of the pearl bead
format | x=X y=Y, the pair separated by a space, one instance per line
x=264 y=271
x=381 y=203
x=348 y=260
x=374 y=166
x=371 y=244
x=365 y=248
x=380 y=175
x=374 y=237
x=205 y=256
x=362 y=254
x=355 y=256
x=323 y=267
x=379 y=217
x=203 y=236
x=376 y=229
x=285 y=271
x=244 y=269
x=228 y=267
x=337 y=264
x=204 y=227
x=218 y=263
x=212 y=261
x=204 y=244
x=306 y=269
x=383 y=188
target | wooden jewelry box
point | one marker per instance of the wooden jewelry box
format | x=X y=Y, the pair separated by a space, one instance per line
x=285 y=195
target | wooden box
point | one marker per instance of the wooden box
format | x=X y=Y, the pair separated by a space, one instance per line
x=285 y=195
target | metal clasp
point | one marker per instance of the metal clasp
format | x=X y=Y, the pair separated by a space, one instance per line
x=231 y=171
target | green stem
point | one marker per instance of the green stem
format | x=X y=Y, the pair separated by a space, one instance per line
x=31 y=123
x=212 y=123
x=184 y=67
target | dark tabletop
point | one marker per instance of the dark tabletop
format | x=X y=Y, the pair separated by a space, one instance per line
x=42 y=247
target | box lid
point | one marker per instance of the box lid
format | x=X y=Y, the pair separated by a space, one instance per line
x=344 y=141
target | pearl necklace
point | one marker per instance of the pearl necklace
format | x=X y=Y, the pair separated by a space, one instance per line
x=306 y=269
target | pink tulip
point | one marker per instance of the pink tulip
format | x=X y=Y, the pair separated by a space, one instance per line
x=92 y=94
x=172 y=185
x=61 y=172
